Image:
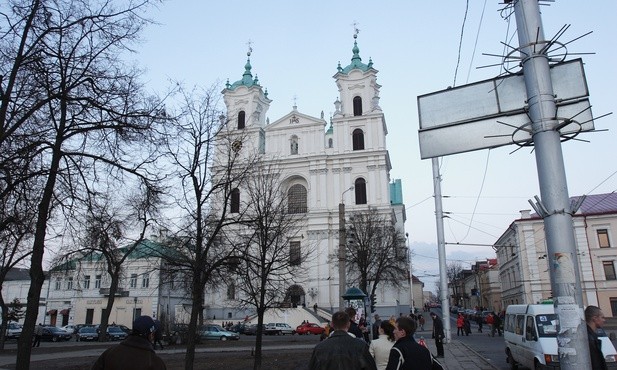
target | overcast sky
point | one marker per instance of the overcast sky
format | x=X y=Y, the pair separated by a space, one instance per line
x=415 y=47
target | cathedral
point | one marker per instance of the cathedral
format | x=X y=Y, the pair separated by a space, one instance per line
x=324 y=163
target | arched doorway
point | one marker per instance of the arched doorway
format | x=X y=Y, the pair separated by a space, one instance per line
x=295 y=295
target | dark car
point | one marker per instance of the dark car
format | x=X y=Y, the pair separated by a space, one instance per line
x=55 y=334
x=250 y=329
x=310 y=328
x=116 y=333
x=87 y=333
x=125 y=329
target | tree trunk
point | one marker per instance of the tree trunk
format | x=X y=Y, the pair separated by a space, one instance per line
x=113 y=288
x=198 y=297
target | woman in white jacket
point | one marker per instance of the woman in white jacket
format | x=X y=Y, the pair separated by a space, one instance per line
x=380 y=348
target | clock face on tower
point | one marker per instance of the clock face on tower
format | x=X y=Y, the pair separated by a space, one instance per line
x=236 y=146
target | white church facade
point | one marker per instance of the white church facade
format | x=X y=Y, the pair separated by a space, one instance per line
x=323 y=164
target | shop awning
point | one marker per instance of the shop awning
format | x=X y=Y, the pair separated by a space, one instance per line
x=65 y=311
x=52 y=312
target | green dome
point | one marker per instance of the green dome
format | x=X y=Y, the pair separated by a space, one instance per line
x=247 y=78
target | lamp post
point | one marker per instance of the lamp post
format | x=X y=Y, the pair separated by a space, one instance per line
x=342 y=241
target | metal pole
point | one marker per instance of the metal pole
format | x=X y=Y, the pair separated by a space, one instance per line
x=561 y=246
x=441 y=249
x=342 y=240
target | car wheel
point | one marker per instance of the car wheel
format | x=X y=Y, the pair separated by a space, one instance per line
x=54 y=339
x=223 y=338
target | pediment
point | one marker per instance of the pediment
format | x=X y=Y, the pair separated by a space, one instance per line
x=295 y=119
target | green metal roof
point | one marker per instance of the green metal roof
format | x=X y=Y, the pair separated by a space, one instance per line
x=247 y=78
x=356 y=61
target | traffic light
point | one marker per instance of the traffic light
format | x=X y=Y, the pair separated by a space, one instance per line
x=373 y=302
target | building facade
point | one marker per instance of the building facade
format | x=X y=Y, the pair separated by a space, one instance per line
x=322 y=164
x=522 y=254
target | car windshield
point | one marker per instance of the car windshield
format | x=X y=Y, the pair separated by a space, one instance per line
x=114 y=329
x=548 y=325
x=87 y=330
x=55 y=329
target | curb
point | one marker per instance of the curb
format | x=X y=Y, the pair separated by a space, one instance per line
x=478 y=355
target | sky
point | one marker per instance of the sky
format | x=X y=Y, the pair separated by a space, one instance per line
x=415 y=47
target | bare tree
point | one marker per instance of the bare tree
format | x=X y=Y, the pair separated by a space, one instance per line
x=202 y=158
x=376 y=252
x=269 y=239
x=454 y=271
x=70 y=111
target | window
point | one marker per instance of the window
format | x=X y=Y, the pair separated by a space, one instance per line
x=133 y=282
x=613 y=301
x=330 y=143
x=58 y=284
x=87 y=282
x=609 y=270
x=295 y=257
x=603 y=238
x=231 y=291
x=241 y=120
x=358 y=139
x=360 y=190
x=97 y=282
x=69 y=283
x=357 y=106
x=294 y=145
x=235 y=201
x=145 y=281
x=296 y=199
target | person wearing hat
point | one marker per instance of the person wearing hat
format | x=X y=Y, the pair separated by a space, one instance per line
x=135 y=352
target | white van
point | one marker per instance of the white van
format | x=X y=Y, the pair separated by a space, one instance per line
x=530 y=332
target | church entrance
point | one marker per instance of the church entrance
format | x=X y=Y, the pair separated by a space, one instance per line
x=295 y=296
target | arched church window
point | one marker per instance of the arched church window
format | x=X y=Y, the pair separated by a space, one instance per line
x=241 y=119
x=357 y=106
x=235 y=201
x=360 y=190
x=358 y=139
x=294 y=144
x=296 y=199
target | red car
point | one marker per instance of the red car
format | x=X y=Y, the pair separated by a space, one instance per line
x=309 y=328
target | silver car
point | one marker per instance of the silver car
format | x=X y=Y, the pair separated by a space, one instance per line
x=216 y=332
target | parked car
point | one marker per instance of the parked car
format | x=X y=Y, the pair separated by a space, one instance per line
x=250 y=329
x=71 y=329
x=116 y=333
x=13 y=330
x=55 y=334
x=216 y=332
x=87 y=333
x=310 y=328
x=125 y=329
x=278 y=329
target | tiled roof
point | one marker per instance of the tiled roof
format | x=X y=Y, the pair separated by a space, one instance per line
x=597 y=203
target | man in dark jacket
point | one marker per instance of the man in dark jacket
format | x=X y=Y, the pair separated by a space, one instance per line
x=341 y=351
x=438 y=333
x=354 y=328
x=376 y=326
x=407 y=354
x=135 y=352
x=595 y=320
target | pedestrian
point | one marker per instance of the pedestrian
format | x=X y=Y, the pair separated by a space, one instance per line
x=497 y=325
x=490 y=320
x=438 y=333
x=135 y=352
x=375 y=327
x=460 y=323
x=479 y=321
x=595 y=320
x=158 y=334
x=380 y=347
x=38 y=333
x=354 y=328
x=467 y=325
x=341 y=350
x=406 y=354
x=421 y=322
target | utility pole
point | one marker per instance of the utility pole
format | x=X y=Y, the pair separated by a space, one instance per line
x=554 y=205
x=441 y=250
x=342 y=245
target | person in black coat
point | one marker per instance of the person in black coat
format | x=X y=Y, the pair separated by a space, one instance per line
x=407 y=354
x=595 y=320
x=438 y=333
x=353 y=327
x=341 y=351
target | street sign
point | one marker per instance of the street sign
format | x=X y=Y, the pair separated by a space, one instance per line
x=492 y=113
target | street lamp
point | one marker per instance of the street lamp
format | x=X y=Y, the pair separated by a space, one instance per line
x=342 y=241
x=135 y=309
